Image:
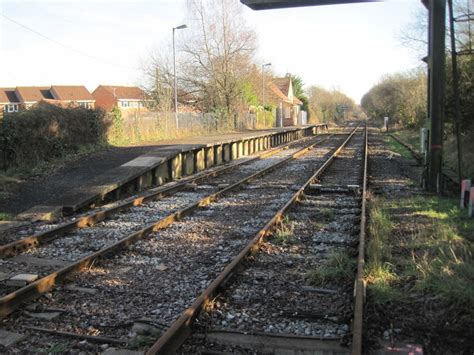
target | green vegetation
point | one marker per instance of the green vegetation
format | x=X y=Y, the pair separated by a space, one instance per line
x=327 y=213
x=432 y=253
x=339 y=267
x=410 y=136
x=54 y=349
x=298 y=91
x=379 y=270
x=397 y=147
x=47 y=132
x=401 y=96
x=331 y=106
x=284 y=233
x=116 y=133
x=5 y=216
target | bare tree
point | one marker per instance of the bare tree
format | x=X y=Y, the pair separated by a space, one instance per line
x=218 y=51
x=158 y=81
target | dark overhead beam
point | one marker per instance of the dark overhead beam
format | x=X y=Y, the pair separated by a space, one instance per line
x=280 y=4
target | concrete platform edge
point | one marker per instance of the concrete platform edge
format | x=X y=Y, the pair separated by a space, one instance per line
x=166 y=164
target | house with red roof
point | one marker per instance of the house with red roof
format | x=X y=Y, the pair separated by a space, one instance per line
x=73 y=95
x=126 y=98
x=288 y=105
x=23 y=97
x=8 y=100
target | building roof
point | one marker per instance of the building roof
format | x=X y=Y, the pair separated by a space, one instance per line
x=297 y=101
x=7 y=95
x=283 y=84
x=126 y=92
x=33 y=93
x=276 y=90
x=71 y=93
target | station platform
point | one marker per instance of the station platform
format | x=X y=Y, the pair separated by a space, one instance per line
x=74 y=189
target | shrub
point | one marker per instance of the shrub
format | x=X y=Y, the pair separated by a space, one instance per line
x=46 y=132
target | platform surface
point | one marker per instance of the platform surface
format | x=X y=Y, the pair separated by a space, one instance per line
x=83 y=180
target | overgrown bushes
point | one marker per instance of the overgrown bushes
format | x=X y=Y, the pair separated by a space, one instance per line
x=401 y=97
x=46 y=132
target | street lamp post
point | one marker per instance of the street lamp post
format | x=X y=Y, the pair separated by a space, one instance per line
x=263 y=83
x=263 y=87
x=174 y=74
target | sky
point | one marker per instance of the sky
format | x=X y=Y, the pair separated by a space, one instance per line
x=93 y=42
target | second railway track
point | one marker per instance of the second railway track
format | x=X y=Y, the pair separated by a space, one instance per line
x=270 y=305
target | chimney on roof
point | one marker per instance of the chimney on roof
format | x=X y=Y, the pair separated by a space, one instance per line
x=114 y=93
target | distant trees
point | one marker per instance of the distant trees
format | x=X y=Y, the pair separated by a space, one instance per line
x=330 y=106
x=401 y=96
x=415 y=37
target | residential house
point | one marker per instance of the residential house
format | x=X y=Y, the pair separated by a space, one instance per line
x=23 y=97
x=126 y=98
x=73 y=95
x=8 y=100
x=288 y=105
x=31 y=95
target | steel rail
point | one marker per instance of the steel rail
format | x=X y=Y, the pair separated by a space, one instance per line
x=359 y=285
x=180 y=329
x=33 y=241
x=417 y=155
x=13 y=300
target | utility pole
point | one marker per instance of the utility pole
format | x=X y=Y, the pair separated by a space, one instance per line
x=263 y=89
x=457 y=105
x=263 y=83
x=436 y=59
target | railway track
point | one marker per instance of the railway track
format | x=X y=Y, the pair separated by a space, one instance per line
x=179 y=260
x=271 y=305
x=32 y=235
x=69 y=243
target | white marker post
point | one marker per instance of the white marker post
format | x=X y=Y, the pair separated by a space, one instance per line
x=465 y=187
x=385 y=123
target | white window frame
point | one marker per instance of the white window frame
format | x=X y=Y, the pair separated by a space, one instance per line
x=11 y=108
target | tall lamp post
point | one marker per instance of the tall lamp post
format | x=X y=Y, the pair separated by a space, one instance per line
x=263 y=83
x=174 y=74
x=263 y=89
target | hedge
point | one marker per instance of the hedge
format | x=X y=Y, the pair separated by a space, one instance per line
x=46 y=132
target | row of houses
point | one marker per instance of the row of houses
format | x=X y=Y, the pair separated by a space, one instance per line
x=106 y=97
x=129 y=98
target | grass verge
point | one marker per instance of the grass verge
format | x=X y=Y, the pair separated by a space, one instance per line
x=410 y=136
x=396 y=147
x=420 y=244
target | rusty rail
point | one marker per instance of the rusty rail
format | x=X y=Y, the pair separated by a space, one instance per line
x=359 y=285
x=12 y=301
x=33 y=241
x=180 y=329
x=417 y=155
